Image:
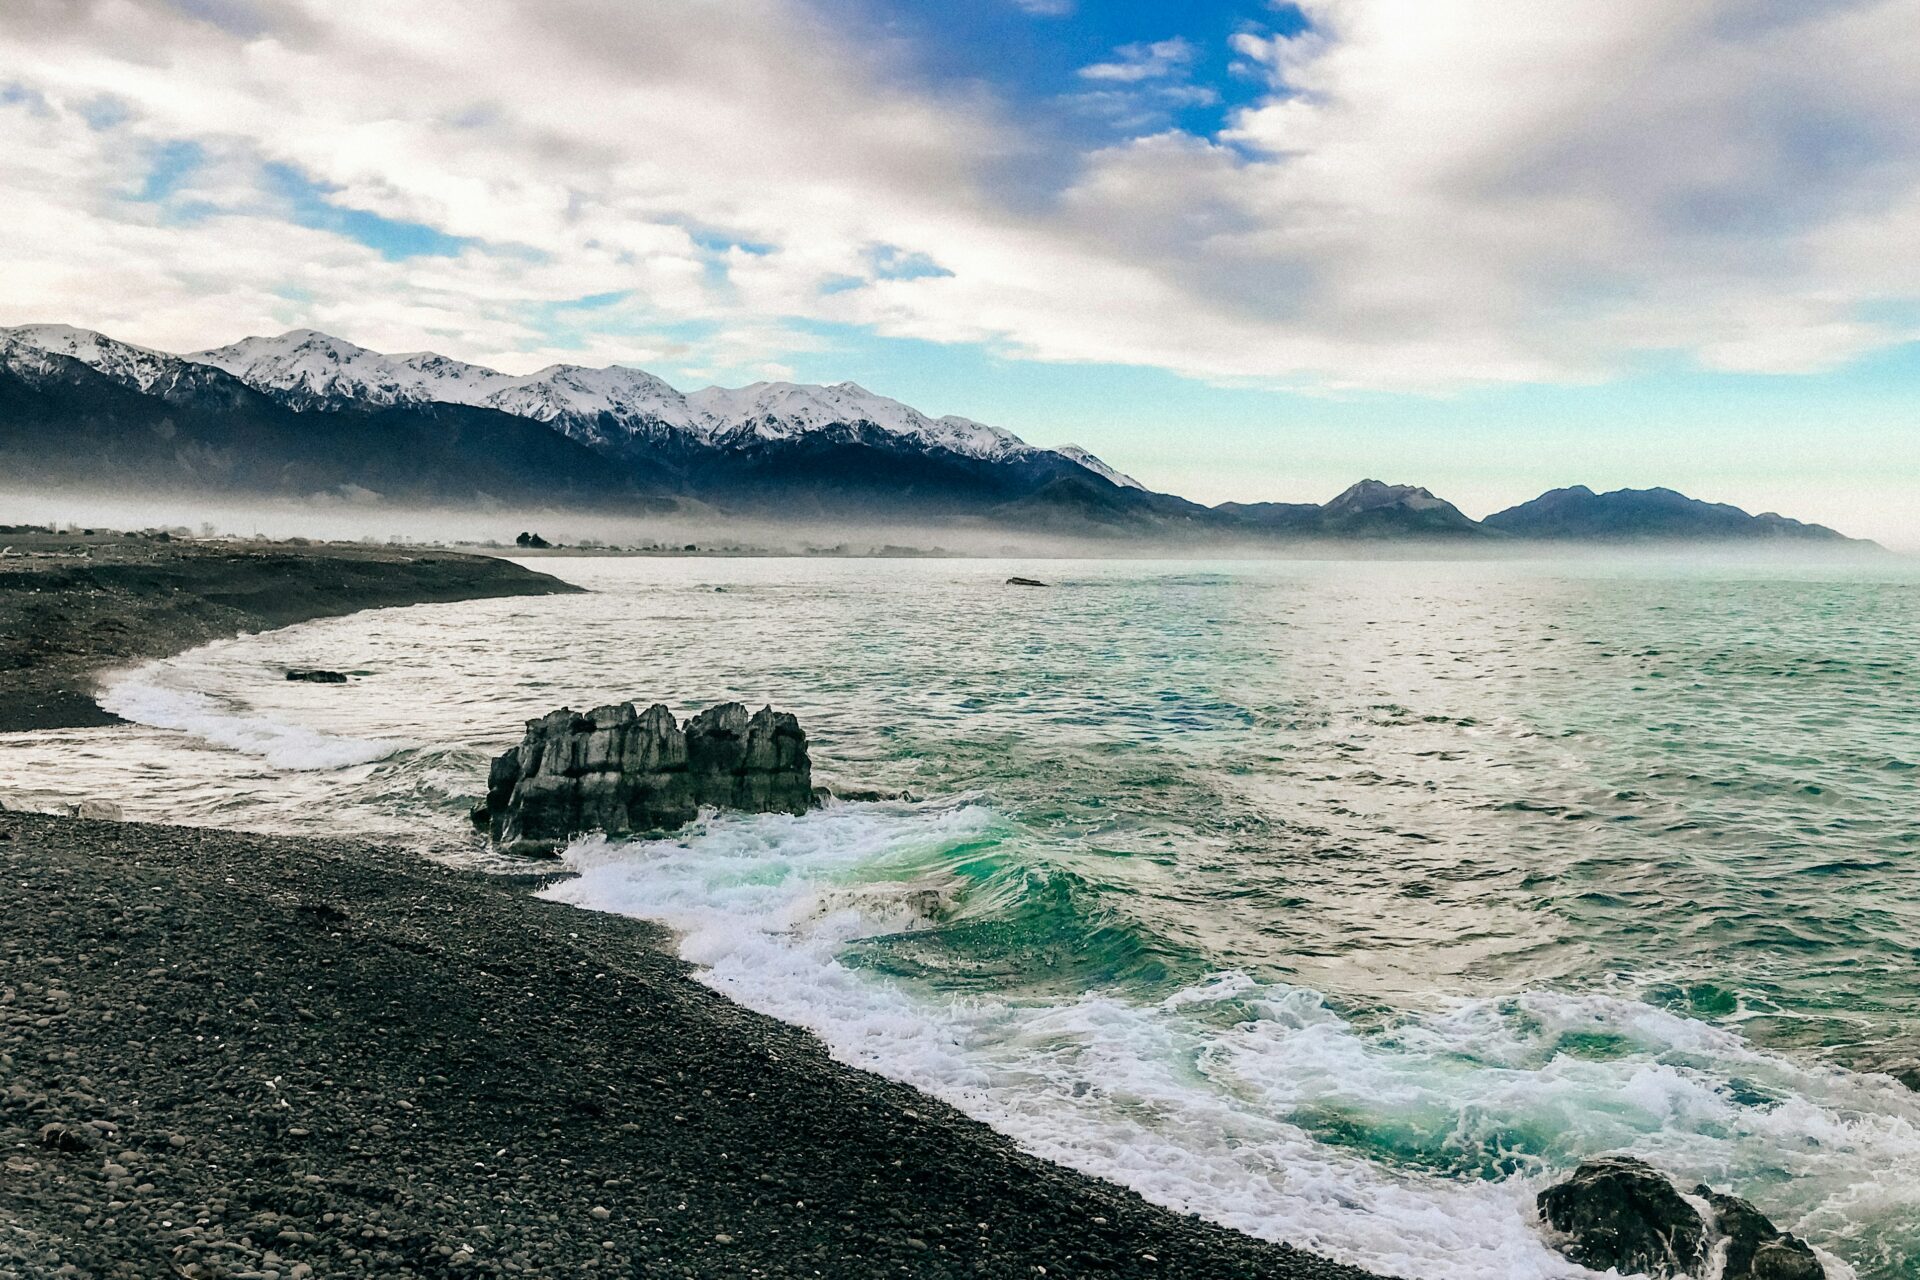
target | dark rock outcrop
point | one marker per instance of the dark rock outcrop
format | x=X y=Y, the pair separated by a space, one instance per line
x=1025 y=582
x=1756 y=1249
x=1622 y=1213
x=314 y=675
x=1905 y=1070
x=621 y=771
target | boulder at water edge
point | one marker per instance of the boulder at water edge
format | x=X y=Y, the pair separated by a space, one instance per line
x=1756 y=1249
x=1620 y=1213
x=623 y=771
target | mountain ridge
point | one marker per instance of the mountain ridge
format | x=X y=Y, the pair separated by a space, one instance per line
x=308 y=414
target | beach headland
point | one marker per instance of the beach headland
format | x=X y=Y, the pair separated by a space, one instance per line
x=72 y=604
x=230 y=1055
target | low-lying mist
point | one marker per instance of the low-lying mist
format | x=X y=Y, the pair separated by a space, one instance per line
x=578 y=531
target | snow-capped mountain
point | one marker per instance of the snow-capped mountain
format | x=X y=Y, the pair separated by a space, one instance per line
x=308 y=369
x=774 y=448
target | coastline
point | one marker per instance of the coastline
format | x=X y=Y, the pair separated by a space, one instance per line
x=71 y=606
x=230 y=1054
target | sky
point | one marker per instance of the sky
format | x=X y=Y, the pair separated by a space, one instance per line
x=1248 y=251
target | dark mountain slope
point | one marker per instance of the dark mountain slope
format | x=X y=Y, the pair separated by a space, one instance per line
x=1579 y=512
x=1369 y=509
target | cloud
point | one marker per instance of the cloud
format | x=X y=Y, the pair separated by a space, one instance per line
x=1045 y=8
x=1136 y=62
x=1424 y=193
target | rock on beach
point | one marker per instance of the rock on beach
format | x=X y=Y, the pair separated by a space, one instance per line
x=622 y=771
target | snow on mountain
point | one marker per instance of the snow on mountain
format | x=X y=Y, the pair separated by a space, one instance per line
x=565 y=392
x=140 y=367
x=779 y=410
x=307 y=369
x=1099 y=468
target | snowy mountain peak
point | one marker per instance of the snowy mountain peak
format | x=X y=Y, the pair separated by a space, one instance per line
x=136 y=366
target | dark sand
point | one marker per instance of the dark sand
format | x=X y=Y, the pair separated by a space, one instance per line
x=234 y=1055
x=70 y=606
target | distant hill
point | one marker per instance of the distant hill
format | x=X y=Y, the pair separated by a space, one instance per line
x=1369 y=509
x=1649 y=514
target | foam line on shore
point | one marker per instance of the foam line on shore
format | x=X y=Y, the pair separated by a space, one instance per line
x=142 y=697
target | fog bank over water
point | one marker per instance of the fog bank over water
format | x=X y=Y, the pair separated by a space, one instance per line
x=711 y=533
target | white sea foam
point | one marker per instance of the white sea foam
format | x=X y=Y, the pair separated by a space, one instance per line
x=142 y=698
x=1206 y=1100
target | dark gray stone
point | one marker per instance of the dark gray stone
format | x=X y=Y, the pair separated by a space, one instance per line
x=1620 y=1212
x=623 y=771
x=1756 y=1249
x=1025 y=582
x=314 y=675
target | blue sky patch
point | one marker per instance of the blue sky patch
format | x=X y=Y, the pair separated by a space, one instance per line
x=308 y=203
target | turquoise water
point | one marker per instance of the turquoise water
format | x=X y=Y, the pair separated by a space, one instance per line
x=1343 y=902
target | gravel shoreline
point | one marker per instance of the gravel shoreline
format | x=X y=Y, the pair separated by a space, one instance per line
x=231 y=1055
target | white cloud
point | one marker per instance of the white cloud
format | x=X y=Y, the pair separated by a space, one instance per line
x=1431 y=192
x=1151 y=61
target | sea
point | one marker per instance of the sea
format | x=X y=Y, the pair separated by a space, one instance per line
x=1344 y=902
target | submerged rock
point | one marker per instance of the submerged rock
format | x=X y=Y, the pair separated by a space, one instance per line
x=1621 y=1213
x=620 y=770
x=315 y=675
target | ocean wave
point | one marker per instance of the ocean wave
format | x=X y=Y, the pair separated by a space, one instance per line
x=1412 y=1149
x=283 y=745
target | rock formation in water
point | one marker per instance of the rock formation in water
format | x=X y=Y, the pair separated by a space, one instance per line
x=622 y=771
x=1756 y=1249
x=315 y=675
x=1620 y=1213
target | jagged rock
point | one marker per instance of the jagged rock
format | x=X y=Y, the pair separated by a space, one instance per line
x=1756 y=1249
x=1622 y=1213
x=1025 y=582
x=314 y=675
x=621 y=771
x=1619 y=1212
